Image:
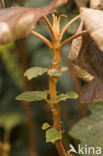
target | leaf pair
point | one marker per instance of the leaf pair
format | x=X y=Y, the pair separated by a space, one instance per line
x=31 y=96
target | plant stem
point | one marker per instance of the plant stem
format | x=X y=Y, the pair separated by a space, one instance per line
x=55 y=108
x=31 y=128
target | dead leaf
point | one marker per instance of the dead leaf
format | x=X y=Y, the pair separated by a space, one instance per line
x=18 y=22
x=76 y=45
x=81 y=73
x=81 y=3
x=87 y=63
x=92 y=92
x=93 y=20
x=77 y=54
x=96 y=4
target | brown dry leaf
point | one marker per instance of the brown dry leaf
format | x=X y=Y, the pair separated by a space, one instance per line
x=18 y=22
x=96 y=4
x=92 y=92
x=76 y=45
x=93 y=20
x=81 y=3
x=82 y=73
x=76 y=55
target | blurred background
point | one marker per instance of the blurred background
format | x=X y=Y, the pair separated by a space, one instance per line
x=15 y=58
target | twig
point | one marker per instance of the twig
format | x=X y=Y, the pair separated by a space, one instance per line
x=71 y=38
x=49 y=26
x=42 y=38
x=67 y=26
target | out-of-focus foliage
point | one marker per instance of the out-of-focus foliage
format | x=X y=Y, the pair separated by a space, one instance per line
x=10 y=59
x=10 y=120
x=11 y=83
x=93 y=128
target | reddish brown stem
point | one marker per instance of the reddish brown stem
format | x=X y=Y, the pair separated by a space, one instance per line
x=26 y=104
x=56 y=108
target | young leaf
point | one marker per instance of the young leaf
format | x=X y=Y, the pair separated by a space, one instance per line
x=63 y=97
x=45 y=126
x=93 y=20
x=52 y=135
x=54 y=72
x=90 y=129
x=31 y=96
x=18 y=22
x=10 y=120
x=34 y=72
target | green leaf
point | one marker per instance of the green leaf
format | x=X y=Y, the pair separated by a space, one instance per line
x=52 y=135
x=34 y=72
x=54 y=72
x=31 y=96
x=90 y=129
x=63 y=97
x=45 y=126
x=10 y=120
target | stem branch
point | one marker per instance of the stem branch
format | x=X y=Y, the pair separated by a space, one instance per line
x=49 y=26
x=68 y=24
x=71 y=38
x=42 y=38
